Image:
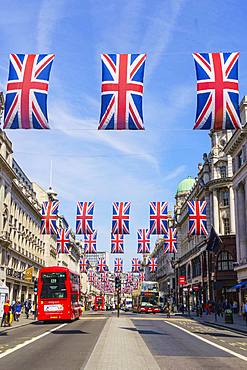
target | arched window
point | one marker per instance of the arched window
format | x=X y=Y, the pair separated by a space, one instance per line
x=225 y=261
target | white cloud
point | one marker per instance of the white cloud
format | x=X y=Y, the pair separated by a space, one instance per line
x=175 y=173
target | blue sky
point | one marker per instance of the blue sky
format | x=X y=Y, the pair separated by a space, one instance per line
x=118 y=166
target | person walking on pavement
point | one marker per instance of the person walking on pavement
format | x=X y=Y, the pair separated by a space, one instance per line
x=6 y=314
x=13 y=309
x=18 y=310
x=27 y=306
x=245 y=311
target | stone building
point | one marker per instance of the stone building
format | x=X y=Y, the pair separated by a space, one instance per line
x=21 y=244
x=207 y=262
x=237 y=149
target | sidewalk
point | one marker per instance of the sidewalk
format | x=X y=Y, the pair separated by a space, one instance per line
x=15 y=324
x=120 y=347
x=238 y=323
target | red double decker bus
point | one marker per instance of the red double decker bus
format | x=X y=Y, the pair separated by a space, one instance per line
x=146 y=297
x=58 y=294
x=99 y=303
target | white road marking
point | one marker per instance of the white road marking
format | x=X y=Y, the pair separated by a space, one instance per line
x=208 y=341
x=21 y=345
x=244 y=349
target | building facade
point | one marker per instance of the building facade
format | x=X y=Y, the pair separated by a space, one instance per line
x=207 y=262
x=237 y=149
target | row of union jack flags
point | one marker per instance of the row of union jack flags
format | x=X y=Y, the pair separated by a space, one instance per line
x=122 y=91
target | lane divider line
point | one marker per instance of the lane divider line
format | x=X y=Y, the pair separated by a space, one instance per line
x=24 y=344
x=244 y=358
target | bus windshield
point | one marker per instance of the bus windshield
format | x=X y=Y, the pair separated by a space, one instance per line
x=149 y=285
x=53 y=285
x=151 y=300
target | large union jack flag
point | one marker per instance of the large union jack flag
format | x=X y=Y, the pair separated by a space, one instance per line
x=27 y=88
x=170 y=244
x=217 y=91
x=101 y=266
x=90 y=243
x=158 y=218
x=143 y=237
x=49 y=217
x=117 y=243
x=120 y=218
x=63 y=241
x=136 y=264
x=197 y=217
x=152 y=264
x=122 y=91
x=84 y=264
x=118 y=265
x=84 y=218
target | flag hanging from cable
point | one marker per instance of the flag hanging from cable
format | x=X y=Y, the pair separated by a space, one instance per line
x=117 y=243
x=170 y=244
x=122 y=91
x=120 y=218
x=136 y=264
x=217 y=91
x=90 y=243
x=101 y=266
x=118 y=265
x=197 y=217
x=27 y=88
x=152 y=264
x=84 y=264
x=84 y=218
x=158 y=218
x=63 y=241
x=143 y=237
x=49 y=217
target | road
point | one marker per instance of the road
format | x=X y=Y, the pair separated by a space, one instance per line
x=176 y=343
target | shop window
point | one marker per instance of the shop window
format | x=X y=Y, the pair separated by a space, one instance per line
x=225 y=261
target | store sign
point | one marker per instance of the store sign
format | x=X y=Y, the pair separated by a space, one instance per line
x=196 y=288
x=15 y=274
x=182 y=280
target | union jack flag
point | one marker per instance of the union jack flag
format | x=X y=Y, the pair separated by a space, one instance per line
x=158 y=217
x=136 y=264
x=49 y=217
x=129 y=277
x=152 y=264
x=117 y=243
x=84 y=218
x=122 y=91
x=141 y=276
x=63 y=241
x=118 y=265
x=143 y=237
x=90 y=275
x=120 y=218
x=170 y=244
x=101 y=266
x=197 y=217
x=27 y=88
x=104 y=276
x=90 y=242
x=84 y=264
x=217 y=91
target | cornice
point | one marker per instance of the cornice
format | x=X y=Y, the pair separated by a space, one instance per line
x=7 y=168
x=239 y=137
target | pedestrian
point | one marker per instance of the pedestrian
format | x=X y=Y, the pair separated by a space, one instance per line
x=18 y=310
x=168 y=310
x=6 y=314
x=13 y=308
x=245 y=311
x=27 y=306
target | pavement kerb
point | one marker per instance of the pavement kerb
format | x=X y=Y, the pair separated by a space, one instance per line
x=216 y=325
x=15 y=327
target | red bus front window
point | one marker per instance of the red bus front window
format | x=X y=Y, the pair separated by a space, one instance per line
x=53 y=285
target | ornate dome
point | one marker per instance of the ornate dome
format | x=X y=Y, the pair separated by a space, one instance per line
x=185 y=185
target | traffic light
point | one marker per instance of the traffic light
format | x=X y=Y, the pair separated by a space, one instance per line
x=35 y=288
x=117 y=282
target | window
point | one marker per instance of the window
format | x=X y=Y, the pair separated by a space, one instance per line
x=225 y=261
x=196 y=267
x=240 y=158
x=222 y=171
x=226 y=222
x=225 y=198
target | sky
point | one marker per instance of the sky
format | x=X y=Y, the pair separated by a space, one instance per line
x=107 y=166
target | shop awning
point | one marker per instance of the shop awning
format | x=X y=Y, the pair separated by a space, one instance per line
x=242 y=284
